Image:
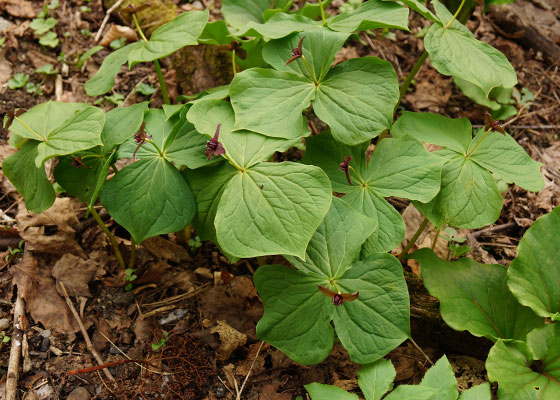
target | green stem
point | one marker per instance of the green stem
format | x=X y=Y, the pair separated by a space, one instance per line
x=311 y=74
x=233 y=63
x=436 y=237
x=155 y=145
x=42 y=139
x=382 y=136
x=162 y=85
x=132 y=253
x=322 y=13
x=413 y=239
x=360 y=179
x=233 y=163
x=480 y=141
x=110 y=236
x=454 y=15
x=408 y=80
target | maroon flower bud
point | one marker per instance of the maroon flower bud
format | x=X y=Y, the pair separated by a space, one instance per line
x=297 y=52
x=338 y=298
x=140 y=138
x=78 y=163
x=491 y=124
x=345 y=167
x=213 y=146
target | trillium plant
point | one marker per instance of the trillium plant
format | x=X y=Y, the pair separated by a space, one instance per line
x=210 y=163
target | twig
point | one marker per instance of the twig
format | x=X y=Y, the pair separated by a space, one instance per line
x=15 y=351
x=420 y=350
x=494 y=229
x=89 y=345
x=106 y=19
x=106 y=365
x=249 y=373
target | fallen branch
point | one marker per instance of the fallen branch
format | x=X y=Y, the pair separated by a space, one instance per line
x=15 y=351
x=106 y=19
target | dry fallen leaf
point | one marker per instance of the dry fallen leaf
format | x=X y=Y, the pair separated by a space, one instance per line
x=18 y=8
x=116 y=32
x=166 y=249
x=230 y=339
x=76 y=273
x=42 y=301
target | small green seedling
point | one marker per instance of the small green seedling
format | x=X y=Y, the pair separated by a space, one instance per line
x=455 y=248
x=34 y=88
x=130 y=275
x=14 y=252
x=18 y=81
x=195 y=244
x=41 y=25
x=49 y=39
x=162 y=342
x=117 y=43
x=47 y=69
x=145 y=89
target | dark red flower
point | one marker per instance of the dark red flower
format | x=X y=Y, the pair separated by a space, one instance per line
x=140 y=138
x=213 y=146
x=493 y=125
x=297 y=52
x=338 y=298
x=345 y=167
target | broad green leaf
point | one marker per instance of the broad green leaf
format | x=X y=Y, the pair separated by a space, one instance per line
x=215 y=32
x=243 y=147
x=336 y=243
x=149 y=198
x=357 y=98
x=208 y=184
x=372 y=14
x=477 y=95
x=41 y=120
x=475 y=297
x=182 y=31
x=376 y=379
x=454 y=134
x=158 y=126
x=30 y=181
x=469 y=197
x=286 y=200
x=171 y=110
x=379 y=319
x=270 y=102
x=121 y=123
x=421 y=9
x=79 y=181
x=319 y=49
x=254 y=48
x=238 y=13
x=438 y=384
x=478 y=392
x=318 y=391
x=278 y=26
x=533 y=275
x=511 y=365
x=313 y=10
x=501 y=154
x=81 y=131
x=104 y=79
x=215 y=93
x=297 y=315
x=485 y=66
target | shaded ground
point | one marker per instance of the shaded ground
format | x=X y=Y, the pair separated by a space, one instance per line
x=202 y=307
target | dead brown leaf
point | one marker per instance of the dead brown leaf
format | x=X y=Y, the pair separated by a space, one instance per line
x=116 y=32
x=166 y=249
x=230 y=339
x=42 y=301
x=76 y=273
x=51 y=231
x=18 y=8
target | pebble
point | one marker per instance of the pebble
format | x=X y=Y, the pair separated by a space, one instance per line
x=80 y=393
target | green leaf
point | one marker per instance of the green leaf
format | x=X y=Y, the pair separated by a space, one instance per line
x=357 y=98
x=533 y=274
x=208 y=185
x=271 y=102
x=502 y=155
x=149 y=198
x=454 y=134
x=318 y=391
x=278 y=26
x=475 y=297
x=182 y=31
x=18 y=81
x=485 y=66
x=121 y=123
x=158 y=126
x=49 y=39
x=438 y=384
x=319 y=49
x=86 y=56
x=478 y=392
x=79 y=181
x=243 y=147
x=376 y=379
x=238 y=13
x=421 y=9
x=477 y=95
x=469 y=197
x=296 y=314
x=287 y=201
x=30 y=181
x=511 y=364
x=42 y=25
x=81 y=131
x=379 y=319
x=145 y=89
x=215 y=32
x=372 y=14
x=104 y=79
x=336 y=243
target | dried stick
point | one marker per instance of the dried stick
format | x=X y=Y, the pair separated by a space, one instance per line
x=90 y=347
x=15 y=352
x=106 y=19
x=249 y=373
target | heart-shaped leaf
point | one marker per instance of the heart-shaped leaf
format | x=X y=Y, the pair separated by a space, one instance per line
x=376 y=379
x=278 y=26
x=475 y=297
x=318 y=391
x=121 y=123
x=372 y=14
x=238 y=13
x=533 y=274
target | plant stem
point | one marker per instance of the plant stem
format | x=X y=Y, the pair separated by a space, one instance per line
x=421 y=351
x=413 y=239
x=480 y=141
x=155 y=145
x=132 y=253
x=110 y=236
x=382 y=136
x=408 y=80
x=162 y=85
x=233 y=63
x=436 y=237
x=360 y=179
x=454 y=15
x=322 y=13
x=311 y=74
x=42 y=139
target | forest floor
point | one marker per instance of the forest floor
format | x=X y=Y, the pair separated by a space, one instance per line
x=194 y=301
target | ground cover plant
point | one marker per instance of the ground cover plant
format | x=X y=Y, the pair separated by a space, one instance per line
x=217 y=164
